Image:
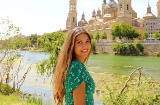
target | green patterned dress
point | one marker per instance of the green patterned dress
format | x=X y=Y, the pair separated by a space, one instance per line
x=77 y=74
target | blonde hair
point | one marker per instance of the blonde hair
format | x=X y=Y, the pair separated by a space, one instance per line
x=64 y=60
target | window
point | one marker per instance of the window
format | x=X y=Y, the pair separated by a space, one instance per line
x=73 y=19
x=121 y=7
x=127 y=7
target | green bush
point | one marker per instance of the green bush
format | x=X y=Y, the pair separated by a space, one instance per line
x=127 y=49
x=119 y=48
x=6 y=89
x=34 y=99
x=139 y=46
x=131 y=49
x=93 y=46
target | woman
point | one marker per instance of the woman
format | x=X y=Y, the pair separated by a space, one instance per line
x=71 y=79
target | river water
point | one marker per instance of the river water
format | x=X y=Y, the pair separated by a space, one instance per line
x=121 y=65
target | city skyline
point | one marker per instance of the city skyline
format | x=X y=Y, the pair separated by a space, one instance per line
x=42 y=16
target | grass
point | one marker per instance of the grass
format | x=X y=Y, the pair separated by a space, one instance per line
x=13 y=99
x=109 y=87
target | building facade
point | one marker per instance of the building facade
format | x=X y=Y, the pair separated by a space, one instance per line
x=111 y=13
x=151 y=23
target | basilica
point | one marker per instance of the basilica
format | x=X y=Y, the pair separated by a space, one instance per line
x=111 y=13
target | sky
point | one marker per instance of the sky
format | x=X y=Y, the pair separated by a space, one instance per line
x=43 y=16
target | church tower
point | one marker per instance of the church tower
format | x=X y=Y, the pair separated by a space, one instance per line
x=158 y=8
x=124 y=12
x=72 y=15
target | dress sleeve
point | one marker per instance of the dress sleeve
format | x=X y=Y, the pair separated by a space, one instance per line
x=77 y=75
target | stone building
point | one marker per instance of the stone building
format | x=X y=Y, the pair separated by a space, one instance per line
x=104 y=19
x=151 y=23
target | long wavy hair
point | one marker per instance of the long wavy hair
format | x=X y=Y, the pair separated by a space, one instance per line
x=65 y=57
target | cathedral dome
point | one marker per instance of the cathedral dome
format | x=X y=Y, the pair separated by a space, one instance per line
x=111 y=4
x=149 y=16
x=82 y=23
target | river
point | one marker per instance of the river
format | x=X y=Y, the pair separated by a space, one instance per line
x=119 y=65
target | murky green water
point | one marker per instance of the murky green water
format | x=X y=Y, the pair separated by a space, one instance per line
x=124 y=65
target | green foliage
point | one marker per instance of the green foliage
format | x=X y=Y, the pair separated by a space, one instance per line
x=156 y=35
x=34 y=99
x=6 y=89
x=91 y=35
x=97 y=36
x=147 y=93
x=145 y=35
x=128 y=48
x=103 y=35
x=52 y=43
x=131 y=49
x=124 y=30
x=116 y=32
x=139 y=46
x=119 y=48
x=8 y=28
x=20 y=43
x=33 y=38
x=93 y=46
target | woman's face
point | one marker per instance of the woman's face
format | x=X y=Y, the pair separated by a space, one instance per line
x=82 y=47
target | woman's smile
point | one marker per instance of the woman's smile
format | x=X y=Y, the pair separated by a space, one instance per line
x=82 y=47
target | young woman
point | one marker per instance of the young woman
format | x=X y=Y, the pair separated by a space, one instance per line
x=71 y=78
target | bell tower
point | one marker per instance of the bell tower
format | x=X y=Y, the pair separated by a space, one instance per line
x=72 y=15
x=124 y=12
x=158 y=8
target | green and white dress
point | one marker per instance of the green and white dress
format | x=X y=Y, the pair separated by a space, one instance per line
x=77 y=74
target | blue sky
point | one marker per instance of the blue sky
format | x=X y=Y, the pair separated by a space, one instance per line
x=41 y=16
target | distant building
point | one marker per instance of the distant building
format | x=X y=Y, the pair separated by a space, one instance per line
x=112 y=13
x=151 y=23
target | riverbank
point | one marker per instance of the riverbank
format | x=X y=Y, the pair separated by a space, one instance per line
x=13 y=99
x=126 y=90
x=108 y=90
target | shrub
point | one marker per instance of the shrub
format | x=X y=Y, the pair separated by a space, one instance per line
x=6 y=89
x=131 y=49
x=119 y=48
x=93 y=46
x=34 y=99
x=139 y=46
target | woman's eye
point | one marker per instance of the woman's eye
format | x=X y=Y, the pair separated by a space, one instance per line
x=88 y=41
x=79 y=42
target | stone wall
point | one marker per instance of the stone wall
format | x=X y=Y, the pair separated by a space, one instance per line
x=103 y=47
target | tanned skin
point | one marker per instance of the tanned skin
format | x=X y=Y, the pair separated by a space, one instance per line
x=79 y=95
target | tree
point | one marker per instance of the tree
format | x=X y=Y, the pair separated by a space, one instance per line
x=52 y=43
x=116 y=32
x=8 y=57
x=91 y=35
x=124 y=30
x=33 y=39
x=103 y=35
x=145 y=35
x=97 y=36
x=156 y=35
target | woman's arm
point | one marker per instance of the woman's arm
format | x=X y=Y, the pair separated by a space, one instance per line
x=79 y=95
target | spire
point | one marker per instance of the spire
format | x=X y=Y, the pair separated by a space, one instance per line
x=98 y=12
x=83 y=16
x=149 y=5
x=148 y=8
x=93 y=13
